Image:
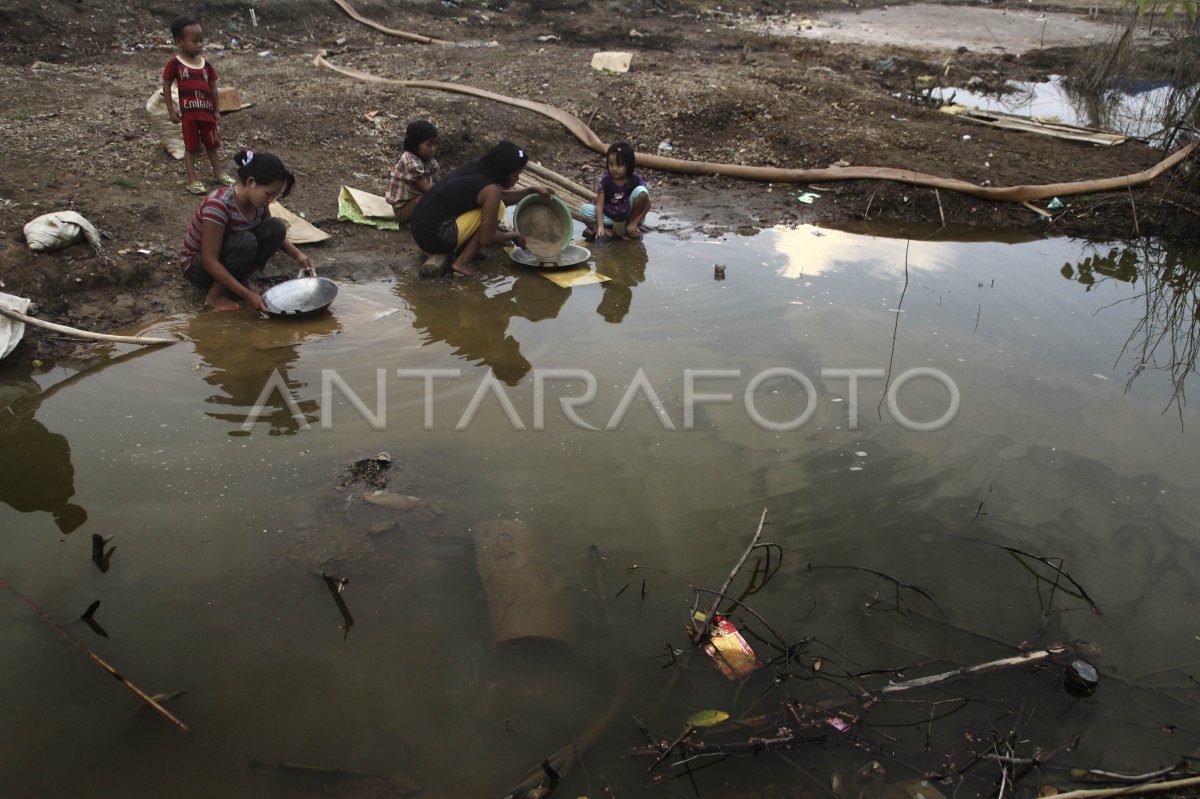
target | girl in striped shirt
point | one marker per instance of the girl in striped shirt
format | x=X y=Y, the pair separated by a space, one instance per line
x=233 y=235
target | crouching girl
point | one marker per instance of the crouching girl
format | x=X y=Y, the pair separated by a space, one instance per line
x=233 y=235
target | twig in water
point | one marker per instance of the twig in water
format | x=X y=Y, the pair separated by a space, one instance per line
x=336 y=585
x=73 y=641
x=703 y=632
x=1112 y=776
x=702 y=628
x=666 y=752
x=887 y=380
x=1083 y=594
x=1151 y=787
x=941 y=213
x=898 y=583
x=100 y=557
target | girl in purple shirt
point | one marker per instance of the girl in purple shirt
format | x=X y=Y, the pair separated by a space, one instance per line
x=622 y=194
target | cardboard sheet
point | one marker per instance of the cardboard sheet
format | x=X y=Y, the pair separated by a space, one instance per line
x=299 y=230
x=364 y=208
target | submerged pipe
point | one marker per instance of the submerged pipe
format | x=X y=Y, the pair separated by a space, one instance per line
x=522 y=599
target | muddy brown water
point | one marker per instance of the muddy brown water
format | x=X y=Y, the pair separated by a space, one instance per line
x=653 y=416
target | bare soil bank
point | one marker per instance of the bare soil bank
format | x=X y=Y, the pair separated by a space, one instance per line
x=74 y=78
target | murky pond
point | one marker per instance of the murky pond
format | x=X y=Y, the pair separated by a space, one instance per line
x=943 y=433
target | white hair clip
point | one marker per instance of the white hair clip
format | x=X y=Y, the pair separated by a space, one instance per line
x=520 y=153
x=249 y=156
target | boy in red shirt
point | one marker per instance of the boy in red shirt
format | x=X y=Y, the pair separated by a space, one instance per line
x=198 y=109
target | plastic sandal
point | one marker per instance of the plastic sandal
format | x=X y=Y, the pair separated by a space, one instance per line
x=227 y=179
x=196 y=187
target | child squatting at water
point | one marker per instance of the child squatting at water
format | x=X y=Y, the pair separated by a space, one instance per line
x=461 y=212
x=622 y=194
x=233 y=235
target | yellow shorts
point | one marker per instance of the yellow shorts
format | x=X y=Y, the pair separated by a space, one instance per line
x=468 y=223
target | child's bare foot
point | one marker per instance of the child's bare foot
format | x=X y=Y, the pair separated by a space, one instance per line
x=220 y=301
x=633 y=232
x=466 y=270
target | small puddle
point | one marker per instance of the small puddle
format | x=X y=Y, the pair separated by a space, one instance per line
x=1131 y=108
x=947 y=27
x=902 y=406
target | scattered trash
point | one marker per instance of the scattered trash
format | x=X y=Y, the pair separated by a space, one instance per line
x=1081 y=678
x=393 y=501
x=59 y=229
x=706 y=718
x=966 y=137
x=373 y=471
x=336 y=584
x=665 y=146
x=808 y=197
x=1054 y=204
x=634 y=33
x=728 y=648
x=549 y=37
x=230 y=100
x=612 y=61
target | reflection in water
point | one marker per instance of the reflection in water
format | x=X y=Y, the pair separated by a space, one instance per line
x=1165 y=339
x=624 y=263
x=242 y=353
x=472 y=316
x=1117 y=264
x=36 y=473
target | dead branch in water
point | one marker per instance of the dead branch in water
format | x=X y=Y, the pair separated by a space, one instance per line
x=75 y=642
x=1151 y=787
x=702 y=628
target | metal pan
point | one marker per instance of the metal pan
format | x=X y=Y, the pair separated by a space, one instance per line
x=573 y=255
x=300 y=297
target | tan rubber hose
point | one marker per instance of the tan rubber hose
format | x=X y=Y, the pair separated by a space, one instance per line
x=581 y=131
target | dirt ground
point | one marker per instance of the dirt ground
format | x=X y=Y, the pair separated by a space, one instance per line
x=75 y=76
